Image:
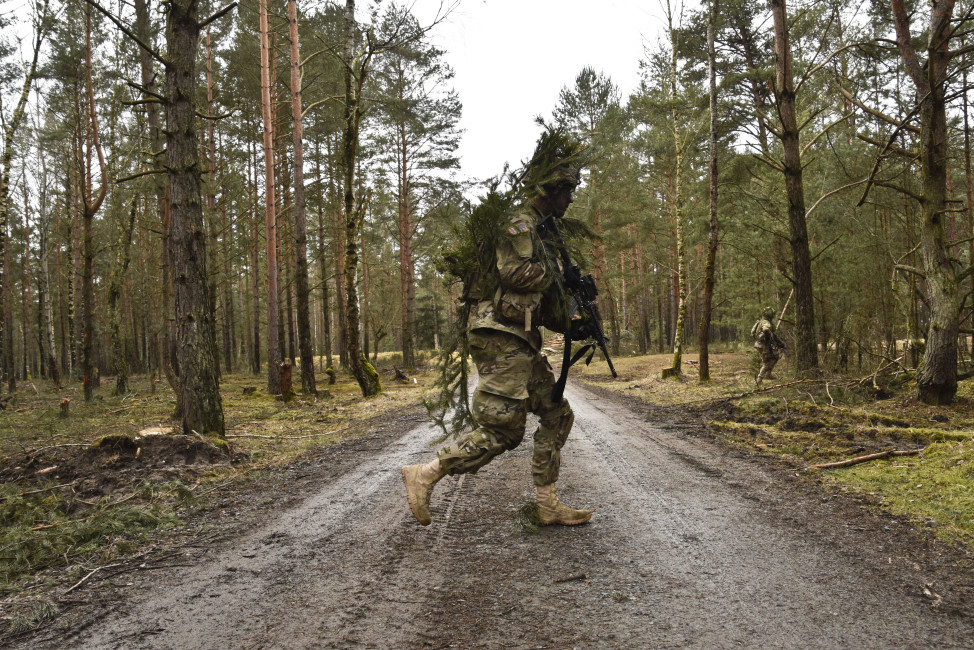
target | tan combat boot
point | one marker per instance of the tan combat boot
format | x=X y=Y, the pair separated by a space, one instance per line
x=551 y=512
x=419 y=480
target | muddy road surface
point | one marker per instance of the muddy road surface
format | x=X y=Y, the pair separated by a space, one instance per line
x=693 y=545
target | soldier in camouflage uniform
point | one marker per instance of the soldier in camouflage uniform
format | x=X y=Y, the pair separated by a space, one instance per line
x=767 y=343
x=514 y=377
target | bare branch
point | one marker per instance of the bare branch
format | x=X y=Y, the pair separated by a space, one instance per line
x=825 y=130
x=218 y=15
x=827 y=246
x=897 y=150
x=828 y=194
x=125 y=30
x=910 y=269
x=879 y=114
x=774 y=164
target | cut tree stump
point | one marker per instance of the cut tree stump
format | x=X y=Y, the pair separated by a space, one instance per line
x=287 y=387
x=671 y=372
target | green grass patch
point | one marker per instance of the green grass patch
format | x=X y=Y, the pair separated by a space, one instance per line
x=936 y=488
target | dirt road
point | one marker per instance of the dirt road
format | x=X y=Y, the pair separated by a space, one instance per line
x=693 y=545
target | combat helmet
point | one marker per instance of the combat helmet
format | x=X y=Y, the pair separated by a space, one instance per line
x=768 y=313
x=557 y=160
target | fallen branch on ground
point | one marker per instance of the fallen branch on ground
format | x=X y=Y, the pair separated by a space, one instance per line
x=310 y=435
x=91 y=573
x=868 y=457
x=47 y=489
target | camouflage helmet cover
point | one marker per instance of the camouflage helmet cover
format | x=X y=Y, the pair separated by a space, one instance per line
x=768 y=313
x=557 y=160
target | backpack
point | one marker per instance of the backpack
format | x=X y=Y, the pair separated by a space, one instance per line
x=756 y=328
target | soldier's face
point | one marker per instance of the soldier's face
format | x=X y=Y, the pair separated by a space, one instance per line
x=560 y=199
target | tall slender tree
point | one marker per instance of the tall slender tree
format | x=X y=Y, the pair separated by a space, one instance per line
x=703 y=339
x=300 y=218
x=270 y=210
x=806 y=341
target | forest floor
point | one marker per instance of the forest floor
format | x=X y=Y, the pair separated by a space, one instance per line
x=710 y=528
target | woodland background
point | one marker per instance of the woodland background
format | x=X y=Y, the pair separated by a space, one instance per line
x=193 y=189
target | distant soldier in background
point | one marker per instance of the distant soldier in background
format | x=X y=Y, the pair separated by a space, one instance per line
x=767 y=343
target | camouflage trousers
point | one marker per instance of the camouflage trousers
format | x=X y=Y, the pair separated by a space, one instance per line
x=514 y=379
x=768 y=358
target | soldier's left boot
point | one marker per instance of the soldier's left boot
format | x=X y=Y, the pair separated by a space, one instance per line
x=419 y=481
x=550 y=511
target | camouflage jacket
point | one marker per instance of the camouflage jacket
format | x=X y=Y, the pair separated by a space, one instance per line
x=526 y=273
x=763 y=333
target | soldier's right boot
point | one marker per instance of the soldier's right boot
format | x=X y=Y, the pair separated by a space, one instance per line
x=419 y=481
x=551 y=511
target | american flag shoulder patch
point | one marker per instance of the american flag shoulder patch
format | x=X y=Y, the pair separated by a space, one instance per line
x=518 y=228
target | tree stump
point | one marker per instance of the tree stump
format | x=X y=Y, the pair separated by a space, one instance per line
x=332 y=375
x=65 y=407
x=671 y=372
x=287 y=387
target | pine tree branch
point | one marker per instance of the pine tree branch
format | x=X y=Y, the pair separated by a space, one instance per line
x=125 y=30
x=897 y=150
x=218 y=15
x=899 y=124
x=148 y=172
x=909 y=269
x=828 y=194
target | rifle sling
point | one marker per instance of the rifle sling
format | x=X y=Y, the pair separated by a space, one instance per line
x=567 y=361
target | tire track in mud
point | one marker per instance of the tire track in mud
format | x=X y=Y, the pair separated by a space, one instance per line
x=730 y=563
x=691 y=546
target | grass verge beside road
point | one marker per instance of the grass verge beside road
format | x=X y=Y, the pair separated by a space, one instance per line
x=116 y=476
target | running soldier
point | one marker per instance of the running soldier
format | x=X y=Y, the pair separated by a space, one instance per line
x=514 y=377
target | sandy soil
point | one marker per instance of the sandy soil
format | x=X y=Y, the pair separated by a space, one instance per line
x=693 y=545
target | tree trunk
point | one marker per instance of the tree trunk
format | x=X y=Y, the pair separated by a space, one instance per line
x=210 y=215
x=356 y=70
x=202 y=406
x=676 y=368
x=806 y=348
x=114 y=293
x=143 y=29
x=273 y=348
x=46 y=299
x=91 y=205
x=10 y=131
x=254 y=264
x=300 y=220
x=969 y=184
x=937 y=374
x=323 y=266
x=703 y=339
x=338 y=246
x=407 y=287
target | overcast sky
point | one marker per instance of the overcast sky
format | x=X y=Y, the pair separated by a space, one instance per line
x=512 y=57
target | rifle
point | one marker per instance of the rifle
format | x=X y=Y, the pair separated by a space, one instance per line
x=584 y=301
x=777 y=343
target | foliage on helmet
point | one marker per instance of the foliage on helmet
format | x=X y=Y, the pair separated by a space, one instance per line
x=558 y=158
